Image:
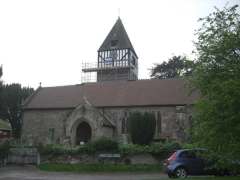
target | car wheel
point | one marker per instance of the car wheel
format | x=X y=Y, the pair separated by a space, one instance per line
x=180 y=172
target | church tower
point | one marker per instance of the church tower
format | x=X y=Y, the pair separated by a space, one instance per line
x=117 y=59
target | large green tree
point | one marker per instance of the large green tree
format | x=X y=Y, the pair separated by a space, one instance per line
x=175 y=67
x=1 y=72
x=11 y=99
x=217 y=78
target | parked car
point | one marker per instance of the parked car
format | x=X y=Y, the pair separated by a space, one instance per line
x=190 y=162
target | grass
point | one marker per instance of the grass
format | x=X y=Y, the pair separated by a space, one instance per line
x=214 y=178
x=92 y=168
x=207 y=178
x=81 y=168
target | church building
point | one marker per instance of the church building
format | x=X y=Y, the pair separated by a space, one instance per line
x=85 y=112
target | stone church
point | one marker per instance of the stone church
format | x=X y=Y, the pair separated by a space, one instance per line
x=84 y=112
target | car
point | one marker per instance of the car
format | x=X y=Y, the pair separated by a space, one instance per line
x=186 y=162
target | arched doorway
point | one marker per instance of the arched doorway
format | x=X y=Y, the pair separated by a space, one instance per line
x=83 y=133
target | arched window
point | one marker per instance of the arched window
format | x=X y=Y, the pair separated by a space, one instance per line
x=159 y=123
x=125 y=123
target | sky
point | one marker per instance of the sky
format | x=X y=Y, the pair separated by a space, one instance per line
x=48 y=40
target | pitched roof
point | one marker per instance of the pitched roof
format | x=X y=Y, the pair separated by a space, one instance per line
x=118 y=33
x=114 y=94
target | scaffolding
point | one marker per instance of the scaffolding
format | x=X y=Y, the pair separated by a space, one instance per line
x=88 y=76
x=92 y=72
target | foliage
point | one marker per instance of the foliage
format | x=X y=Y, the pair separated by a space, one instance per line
x=159 y=149
x=11 y=99
x=100 y=145
x=54 y=149
x=217 y=77
x=1 y=72
x=177 y=66
x=105 y=145
x=100 y=168
x=4 y=149
x=142 y=127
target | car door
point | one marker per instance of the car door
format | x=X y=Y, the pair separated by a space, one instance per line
x=193 y=164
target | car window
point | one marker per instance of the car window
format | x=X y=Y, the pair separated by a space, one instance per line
x=188 y=154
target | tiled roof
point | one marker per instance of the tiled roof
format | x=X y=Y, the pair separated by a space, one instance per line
x=118 y=33
x=114 y=94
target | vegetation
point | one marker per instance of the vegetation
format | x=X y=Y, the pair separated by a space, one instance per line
x=100 y=168
x=142 y=127
x=159 y=149
x=206 y=178
x=11 y=99
x=4 y=149
x=175 y=67
x=217 y=77
x=105 y=145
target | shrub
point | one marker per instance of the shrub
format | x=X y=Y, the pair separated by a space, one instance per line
x=104 y=145
x=142 y=127
x=100 y=145
x=159 y=149
x=131 y=149
x=4 y=149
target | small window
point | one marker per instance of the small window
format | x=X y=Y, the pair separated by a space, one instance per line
x=51 y=135
x=125 y=122
x=133 y=60
x=114 y=43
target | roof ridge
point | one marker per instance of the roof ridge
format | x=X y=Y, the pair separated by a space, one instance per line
x=29 y=98
x=63 y=86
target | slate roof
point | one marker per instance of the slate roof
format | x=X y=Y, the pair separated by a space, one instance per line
x=113 y=94
x=118 y=33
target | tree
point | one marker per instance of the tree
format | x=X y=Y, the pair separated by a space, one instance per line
x=1 y=73
x=142 y=127
x=177 y=66
x=11 y=99
x=217 y=77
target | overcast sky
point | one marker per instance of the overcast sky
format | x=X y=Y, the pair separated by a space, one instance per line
x=47 y=41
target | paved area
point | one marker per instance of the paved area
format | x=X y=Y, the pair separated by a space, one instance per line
x=32 y=173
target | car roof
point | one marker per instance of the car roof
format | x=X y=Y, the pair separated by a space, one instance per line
x=194 y=149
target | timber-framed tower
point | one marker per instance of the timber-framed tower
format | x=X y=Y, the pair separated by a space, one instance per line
x=117 y=59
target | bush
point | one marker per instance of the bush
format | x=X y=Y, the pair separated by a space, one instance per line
x=159 y=149
x=100 y=145
x=4 y=149
x=105 y=145
x=142 y=127
x=56 y=149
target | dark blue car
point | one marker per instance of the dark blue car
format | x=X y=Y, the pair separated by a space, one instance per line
x=185 y=162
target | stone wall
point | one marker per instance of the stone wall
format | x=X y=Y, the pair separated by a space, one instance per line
x=39 y=124
x=173 y=122
x=23 y=156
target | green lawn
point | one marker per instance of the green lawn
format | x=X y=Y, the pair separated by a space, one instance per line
x=207 y=178
x=92 y=168
x=215 y=178
x=99 y=168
